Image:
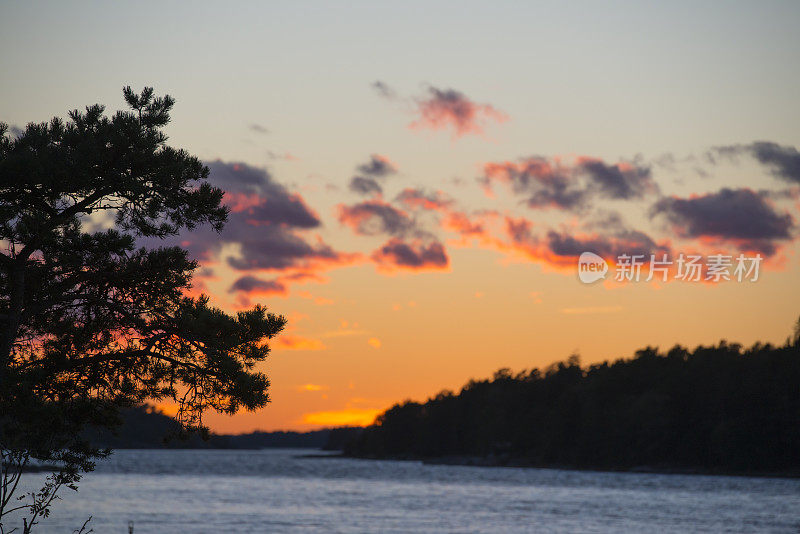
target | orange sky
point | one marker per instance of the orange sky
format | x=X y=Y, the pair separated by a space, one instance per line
x=361 y=338
x=413 y=192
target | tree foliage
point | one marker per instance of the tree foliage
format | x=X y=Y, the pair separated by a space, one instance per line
x=90 y=319
x=721 y=408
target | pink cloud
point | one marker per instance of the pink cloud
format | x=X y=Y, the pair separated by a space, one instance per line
x=448 y=108
x=418 y=199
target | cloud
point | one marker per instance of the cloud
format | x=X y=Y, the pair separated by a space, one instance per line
x=293 y=342
x=367 y=181
x=379 y=217
x=469 y=225
x=418 y=199
x=416 y=256
x=784 y=161
x=544 y=182
x=257 y=128
x=441 y=109
x=519 y=237
x=378 y=166
x=739 y=216
x=383 y=90
x=569 y=185
x=375 y=217
x=461 y=223
x=267 y=202
x=365 y=186
x=606 y=235
x=630 y=242
x=255 y=286
x=268 y=226
x=277 y=249
x=619 y=181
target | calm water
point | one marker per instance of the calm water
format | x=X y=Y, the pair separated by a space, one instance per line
x=278 y=491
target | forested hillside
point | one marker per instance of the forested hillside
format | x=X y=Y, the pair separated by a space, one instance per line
x=718 y=408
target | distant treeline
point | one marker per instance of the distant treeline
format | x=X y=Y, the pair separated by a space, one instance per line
x=143 y=427
x=720 y=408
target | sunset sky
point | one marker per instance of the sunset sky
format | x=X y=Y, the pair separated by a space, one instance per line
x=411 y=184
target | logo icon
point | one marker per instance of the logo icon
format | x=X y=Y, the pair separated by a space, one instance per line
x=591 y=267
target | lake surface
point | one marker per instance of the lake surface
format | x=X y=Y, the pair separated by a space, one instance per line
x=220 y=491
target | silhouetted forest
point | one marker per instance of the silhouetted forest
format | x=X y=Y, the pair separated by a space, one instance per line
x=718 y=409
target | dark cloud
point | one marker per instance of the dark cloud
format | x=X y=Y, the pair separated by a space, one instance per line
x=291 y=211
x=266 y=222
x=378 y=166
x=242 y=178
x=276 y=248
x=383 y=90
x=544 y=183
x=254 y=195
x=553 y=184
x=559 y=195
x=620 y=181
x=519 y=230
x=365 y=186
x=740 y=216
x=783 y=160
x=396 y=254
x=257 y=128
x=251 y=284
x=605 y=220
x=630 y=242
